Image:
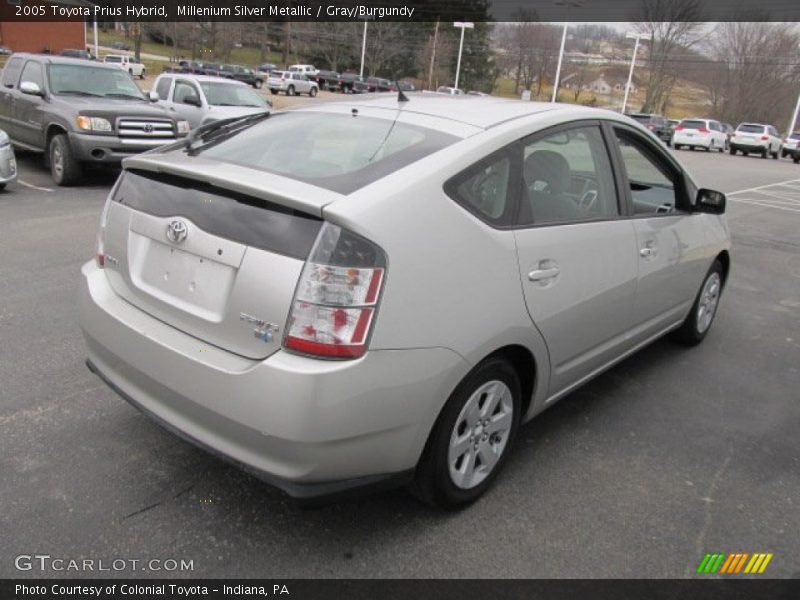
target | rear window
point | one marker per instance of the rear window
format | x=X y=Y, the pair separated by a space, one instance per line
x=748 y=128
x=693 y=124
x=337 y=152
x=250 y=221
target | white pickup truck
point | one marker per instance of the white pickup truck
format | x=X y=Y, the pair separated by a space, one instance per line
x=126 y=63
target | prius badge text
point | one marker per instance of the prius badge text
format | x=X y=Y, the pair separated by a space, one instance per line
x=263 y=330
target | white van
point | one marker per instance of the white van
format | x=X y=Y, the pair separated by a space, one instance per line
x=126 y=63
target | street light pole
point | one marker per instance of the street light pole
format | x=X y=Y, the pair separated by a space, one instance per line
x=461 y=25
x=363 y=49
x=560 y=59
x=637 y=37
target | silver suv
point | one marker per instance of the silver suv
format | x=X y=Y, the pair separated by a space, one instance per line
x=370 y=294
x=292 y=83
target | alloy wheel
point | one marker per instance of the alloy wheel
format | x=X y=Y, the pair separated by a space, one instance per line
x=709 y=299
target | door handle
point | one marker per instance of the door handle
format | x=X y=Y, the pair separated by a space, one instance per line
x=543 y=274
x=649 y=250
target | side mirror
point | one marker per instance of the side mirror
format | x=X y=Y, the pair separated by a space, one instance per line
x=153 y=96
x=709 y=201
x=30 y=88
x=192 y=100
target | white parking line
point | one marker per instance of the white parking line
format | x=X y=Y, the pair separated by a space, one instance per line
x=764 y=203
x=760 y=187
x=33 y=187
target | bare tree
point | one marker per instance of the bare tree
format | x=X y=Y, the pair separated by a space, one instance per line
x=673 y=25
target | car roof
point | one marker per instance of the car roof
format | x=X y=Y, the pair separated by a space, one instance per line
x=62 y=60
x=200 y=78
x=482 y=112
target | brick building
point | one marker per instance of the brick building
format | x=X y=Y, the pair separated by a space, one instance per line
x=30 y=36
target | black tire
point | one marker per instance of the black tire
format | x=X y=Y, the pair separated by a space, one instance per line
x=688 y=333
x=677 y=146
x=783 y=154
x=142 y=75
x=258 y=84
x=775 y=155
x=732 y=151
x=433 y=483
x=273 y=90
x=64 y=167
x=2 y=186
x=745 y=152
x=764 y=154
x=312 y=92
x=290 y=90
x=796 y=159
x=130 y=72
x=691 y=148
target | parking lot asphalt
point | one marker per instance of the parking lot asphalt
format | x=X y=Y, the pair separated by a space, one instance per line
x=671 y=454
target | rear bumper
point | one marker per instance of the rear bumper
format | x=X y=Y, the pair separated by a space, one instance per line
x=750 y=147
x=110 y=149
x=309 y=427
x=695 y=140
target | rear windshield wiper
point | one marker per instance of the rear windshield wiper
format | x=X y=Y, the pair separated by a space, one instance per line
x=218 y=131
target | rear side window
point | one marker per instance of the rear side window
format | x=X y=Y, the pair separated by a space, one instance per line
x=162 y=89
x=11 y=72
x=483 y=189
x=229 y=215
x=338 y=152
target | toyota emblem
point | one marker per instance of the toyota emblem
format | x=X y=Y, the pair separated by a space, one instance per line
x=148 y=128
x=177 y=231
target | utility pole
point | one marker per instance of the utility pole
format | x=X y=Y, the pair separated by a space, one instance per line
x=462 y=25
x=560 y=58
x=637 y=37
x=793 y=122
x=433 y=54
x=364 y=48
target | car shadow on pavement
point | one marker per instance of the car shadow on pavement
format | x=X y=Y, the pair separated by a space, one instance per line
x=32 y=170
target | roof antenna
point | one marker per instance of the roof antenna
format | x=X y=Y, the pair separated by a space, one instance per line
x=401 y=97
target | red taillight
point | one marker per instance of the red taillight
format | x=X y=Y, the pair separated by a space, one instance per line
x=336 y=299
x=679 y=128
x=703 y=130
x=764 y=137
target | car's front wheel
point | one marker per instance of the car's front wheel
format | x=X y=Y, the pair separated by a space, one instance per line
x=472 y=436
x=312 y=92
x=704 y=309
x=65 y=168
x=290 y=90
x=258 y=84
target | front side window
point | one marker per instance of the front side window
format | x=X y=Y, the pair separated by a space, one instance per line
x=162 y=89
x=33 y=74
x=652 y=186
x=225 y=94
x=567 y=177
x=184 y=90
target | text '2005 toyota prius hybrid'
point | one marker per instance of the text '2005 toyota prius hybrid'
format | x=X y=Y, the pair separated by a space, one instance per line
x=379 y=292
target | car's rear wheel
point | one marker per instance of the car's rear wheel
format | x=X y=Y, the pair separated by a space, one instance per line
x=704 y=309
x=2 y=186
x=273 y=90
x=732 y=151
x=64 y=167
x=472 y=436
x=796 y=159
x=258 y=84
x=676 y=146
x=290 y=90
x=764 y=154
x=775 y=155
x=312 y=92
x=143 y=74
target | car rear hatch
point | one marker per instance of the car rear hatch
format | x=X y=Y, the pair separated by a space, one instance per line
x=750 y=134
x=220 y=263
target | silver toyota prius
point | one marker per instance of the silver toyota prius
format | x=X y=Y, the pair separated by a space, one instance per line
x=379 y=292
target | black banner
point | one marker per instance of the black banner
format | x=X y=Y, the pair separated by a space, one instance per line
x=401 y=10
x=343 y=589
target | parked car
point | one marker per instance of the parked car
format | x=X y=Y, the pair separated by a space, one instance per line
x=756 y=138
x=327 y=80
x=121 y=46
x=700 y=133
x=656 y=123
x=377 y=84
x=789 y=146
x=8 y=163
x=126 y=63
x=243 y=74
x=350 y=83
x=453 y=91
x=403 y=86
x=77 y=112
x=74 y=53
x=187 y=66
x=267 y=68
x=308 y=70
x=5 y=51
x=476 y=93
x=211 y=69
x=340 y=351
x=291 y=83
x=200 y=99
